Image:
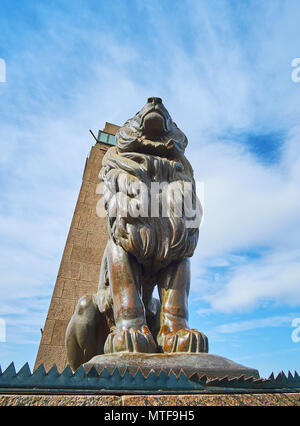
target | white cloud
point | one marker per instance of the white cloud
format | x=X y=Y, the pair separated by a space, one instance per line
x=274 y=278
x=240 y=326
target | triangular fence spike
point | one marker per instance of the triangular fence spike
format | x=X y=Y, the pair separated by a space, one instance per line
x=161 y=379
x=40 y=371
x=240 y=382
x=67 y=372
x=79 y=377
x=237 y=381
x=53 y=371
x=127 y=374
x=116 y=376
x=115 y=380
x=38 y=376
x=173 y=373
x=157 y=372
x=163 y=376
x=213 y=382
x=122 y=370
x=8 y=376
x=194 y=377
x=173 y=382
x=104 y=374
x=135 y=371
x=180 y=372
x=10 y=371
x=296 y=376
x=128 y=379
x=147 y=373
x=118 y=381
x=80 y=372
x=93 y=372
x=62 y=380
x=233 y=381
x=182 y=375
x=223 y=381
x=203 y=379
x=139 y=376
x=52 y=377
x=271 y=382
x=151 y=380
x=185 y=382
x=24 y=372
x=280 y=377
x=100 y=369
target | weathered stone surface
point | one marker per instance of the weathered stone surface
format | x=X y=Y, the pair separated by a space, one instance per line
x=47 y=332
x=86 y=254
x=61 y=309
x=58 y=335
x=277 y=399
x=90 y=272
x=59 y=400
x=74 y=289
x=256 y=399
x=69 y=269
x=202 y=363
x=111 y=128
x=50 y=355
x=79 y=237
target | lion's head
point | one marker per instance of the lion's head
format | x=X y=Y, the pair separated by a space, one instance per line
x=152 y=131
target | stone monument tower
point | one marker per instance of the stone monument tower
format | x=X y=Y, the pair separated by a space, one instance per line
x=79 y=270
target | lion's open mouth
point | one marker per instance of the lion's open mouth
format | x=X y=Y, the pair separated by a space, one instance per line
x=154 y=123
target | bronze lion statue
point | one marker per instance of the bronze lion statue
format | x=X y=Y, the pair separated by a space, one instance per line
x=148 y=246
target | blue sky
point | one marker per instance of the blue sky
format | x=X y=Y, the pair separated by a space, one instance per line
x=223 y=69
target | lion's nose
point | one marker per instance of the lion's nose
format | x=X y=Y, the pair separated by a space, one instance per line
x=154 y=101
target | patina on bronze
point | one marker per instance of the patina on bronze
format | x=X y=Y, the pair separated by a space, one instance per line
x=144 y=251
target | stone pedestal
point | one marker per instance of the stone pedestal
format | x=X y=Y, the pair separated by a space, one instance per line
x=209 y=365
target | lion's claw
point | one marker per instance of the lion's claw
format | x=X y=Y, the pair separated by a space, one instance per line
x=184 y=340
x=130 y=340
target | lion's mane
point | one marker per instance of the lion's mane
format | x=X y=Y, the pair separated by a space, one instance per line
x=154 y=241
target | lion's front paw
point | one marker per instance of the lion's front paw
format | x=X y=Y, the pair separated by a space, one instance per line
x=183 y=340
x=130 y=340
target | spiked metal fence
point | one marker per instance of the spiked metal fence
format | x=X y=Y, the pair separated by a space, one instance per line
x=123 y=381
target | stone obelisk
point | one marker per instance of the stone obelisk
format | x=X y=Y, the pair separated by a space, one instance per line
x=80 y=264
